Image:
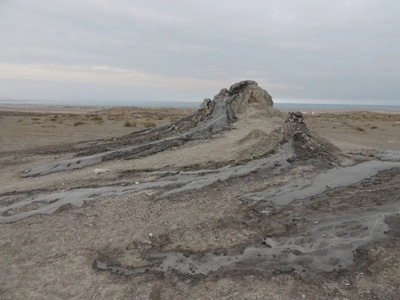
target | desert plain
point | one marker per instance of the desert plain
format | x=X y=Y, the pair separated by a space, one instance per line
x=235 y=200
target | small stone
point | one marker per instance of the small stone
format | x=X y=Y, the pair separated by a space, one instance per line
x=269 y=243
x=150 y=234
x=98 y=171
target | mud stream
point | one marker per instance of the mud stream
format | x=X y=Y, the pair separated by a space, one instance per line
x=222 y=115
x=177 y=182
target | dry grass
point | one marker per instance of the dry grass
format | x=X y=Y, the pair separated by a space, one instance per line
x=147 y=124
x=78 y=122
x=129 y=124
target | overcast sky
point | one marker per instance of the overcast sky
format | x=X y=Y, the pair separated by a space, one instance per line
x=326 y=51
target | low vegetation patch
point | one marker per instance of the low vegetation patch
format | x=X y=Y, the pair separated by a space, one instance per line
x=129 y=124
x=97 y=120
x=147 y=124
x=357 y=128
x=78 y=122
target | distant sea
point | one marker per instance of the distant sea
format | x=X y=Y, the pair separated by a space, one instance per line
x=299 y=106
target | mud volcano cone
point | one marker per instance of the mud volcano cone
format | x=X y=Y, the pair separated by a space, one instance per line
x=239 y=122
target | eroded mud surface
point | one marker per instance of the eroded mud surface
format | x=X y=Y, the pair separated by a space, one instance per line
x=325 y=246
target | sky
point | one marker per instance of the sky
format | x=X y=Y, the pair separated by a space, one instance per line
x=310 y=51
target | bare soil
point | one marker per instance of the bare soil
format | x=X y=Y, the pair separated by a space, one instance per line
x=210 y=241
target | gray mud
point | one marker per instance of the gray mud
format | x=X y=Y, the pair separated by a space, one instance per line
x=314 y=184
x=219 y=120
x=177 y=181
x=390 y=155
x=325 y=246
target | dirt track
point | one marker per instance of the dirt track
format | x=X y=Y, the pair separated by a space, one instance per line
x=207 y=236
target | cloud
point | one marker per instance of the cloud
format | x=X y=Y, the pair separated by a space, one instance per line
x=114 y=77
x=307 y=49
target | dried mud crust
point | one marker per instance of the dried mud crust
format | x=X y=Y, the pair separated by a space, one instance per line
x=310 y=223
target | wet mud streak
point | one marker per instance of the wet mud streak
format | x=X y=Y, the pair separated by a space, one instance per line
x=219 y=120
x=325 y=247
x=390 y=155
x=311 y=186
x=181 y=182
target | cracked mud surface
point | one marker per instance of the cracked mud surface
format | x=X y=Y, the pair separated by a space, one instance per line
x=298 y=221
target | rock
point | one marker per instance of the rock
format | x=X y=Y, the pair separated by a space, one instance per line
x=269 y=242
x=207 y=106
x=98 y=171
x=205 y=103
x=296 y=117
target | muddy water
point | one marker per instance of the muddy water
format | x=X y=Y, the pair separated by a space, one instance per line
x=327 y=246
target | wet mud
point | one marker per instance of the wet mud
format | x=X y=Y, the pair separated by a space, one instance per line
x=183 y=181
x=327 y=243
x=211 y=122
x=174 y=182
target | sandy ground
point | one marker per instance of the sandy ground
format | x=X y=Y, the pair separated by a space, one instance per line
x=93 y=251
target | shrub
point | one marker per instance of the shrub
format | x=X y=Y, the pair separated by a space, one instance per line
x=374 y=127
x=129 y=124
x=79 y=122
x=358 y=128
x=97 y=118
x=148 y=124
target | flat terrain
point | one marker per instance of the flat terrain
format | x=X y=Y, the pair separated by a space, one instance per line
x=201 y=220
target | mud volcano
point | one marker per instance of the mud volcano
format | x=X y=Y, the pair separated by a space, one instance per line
x=309 y=210
x=243 y=101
